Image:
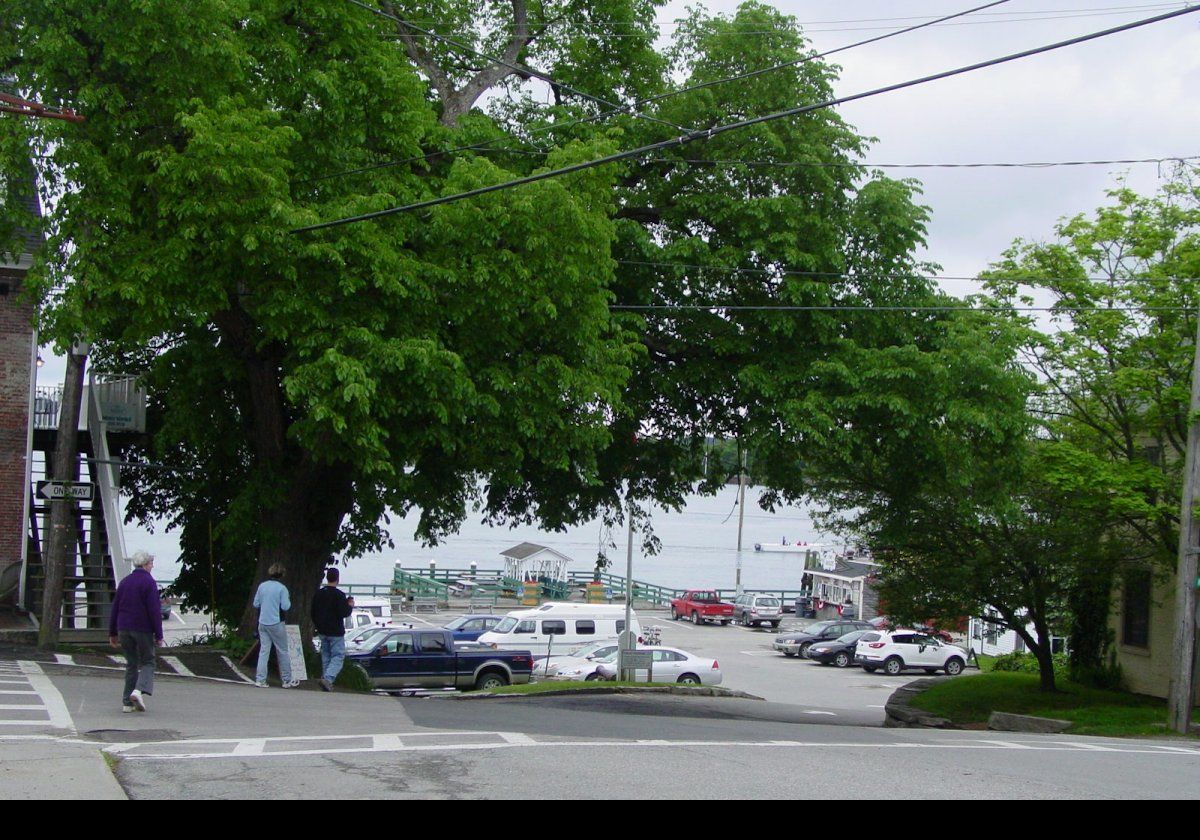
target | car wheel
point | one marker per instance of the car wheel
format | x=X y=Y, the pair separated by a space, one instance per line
x=696 y=618
x=804 y=650
x=774 y=625
x=688 y=679
x=893 y=666
x=490 y=680
x=842 y=660
x=954 y=666
x=674 y=614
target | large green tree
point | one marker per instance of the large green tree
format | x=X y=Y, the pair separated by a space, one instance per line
x=466 y=358
x=1115 y=359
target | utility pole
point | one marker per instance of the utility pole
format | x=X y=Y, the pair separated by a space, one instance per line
x=741 y=516
x=1183 y=675
x=64 y=467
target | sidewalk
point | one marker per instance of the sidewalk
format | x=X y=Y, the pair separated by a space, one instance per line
x=53 y=769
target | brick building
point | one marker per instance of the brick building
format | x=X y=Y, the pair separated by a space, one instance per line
x=18 y=354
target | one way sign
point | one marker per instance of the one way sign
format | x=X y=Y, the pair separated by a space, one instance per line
x=79 y=490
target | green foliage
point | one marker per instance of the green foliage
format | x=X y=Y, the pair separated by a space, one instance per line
x=1024 y=663
x=1092 y=711
x=352 y=677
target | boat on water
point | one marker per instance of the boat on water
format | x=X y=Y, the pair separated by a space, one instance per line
x=786 y=547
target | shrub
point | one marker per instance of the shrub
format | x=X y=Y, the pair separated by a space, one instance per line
x=354 y=678
x=1026 y=663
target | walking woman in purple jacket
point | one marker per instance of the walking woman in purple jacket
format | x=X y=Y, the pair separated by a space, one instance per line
x=135 y=626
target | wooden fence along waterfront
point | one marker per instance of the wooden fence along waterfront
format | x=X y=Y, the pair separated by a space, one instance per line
x=475 y=585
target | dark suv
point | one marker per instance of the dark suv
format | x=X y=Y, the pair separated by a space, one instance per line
x=798 y=643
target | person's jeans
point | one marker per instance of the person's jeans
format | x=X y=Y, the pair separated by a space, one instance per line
x=139 y=661
x=333 y=651
x=273 y=635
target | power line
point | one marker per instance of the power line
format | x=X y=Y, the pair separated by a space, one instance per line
x=519 y=68
x=885 y=275
x=747 y=123
x=485 y=146
x=787 y=164
x=1029 y=15
x=717 y=307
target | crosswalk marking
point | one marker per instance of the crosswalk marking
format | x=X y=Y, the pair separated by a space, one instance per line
x=51 y=712
x=443 y=741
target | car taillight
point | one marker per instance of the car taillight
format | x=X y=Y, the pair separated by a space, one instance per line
x=716 y=665
x=876 y=645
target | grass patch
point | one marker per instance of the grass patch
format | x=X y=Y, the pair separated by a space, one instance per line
x=1092 y=711
x=568 y=685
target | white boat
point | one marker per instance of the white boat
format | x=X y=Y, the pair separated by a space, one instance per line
x=793 y=548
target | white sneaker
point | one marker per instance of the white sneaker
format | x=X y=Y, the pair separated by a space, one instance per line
x=139 y=702
x=127 y=709
x=291 y=683
x=260 y=685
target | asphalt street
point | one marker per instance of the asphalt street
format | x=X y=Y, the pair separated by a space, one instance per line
x=207 y=739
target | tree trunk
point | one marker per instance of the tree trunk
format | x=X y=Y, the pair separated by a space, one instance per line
x=60 y=536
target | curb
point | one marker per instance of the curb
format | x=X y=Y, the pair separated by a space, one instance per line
x=1008 y=722
x=900 y=715
x=698 y=691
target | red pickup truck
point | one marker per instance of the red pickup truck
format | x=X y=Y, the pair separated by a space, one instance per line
x=701 y=605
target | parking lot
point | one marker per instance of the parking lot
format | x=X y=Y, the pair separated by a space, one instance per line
x=745 y=656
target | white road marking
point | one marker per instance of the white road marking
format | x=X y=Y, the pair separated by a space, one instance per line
x=53 y=703
x=517 y=738
x=18 y=691
x=817 y=712
x=63 y=659
x=235 y=670
x=403 y=742
x=758 y=653
x=179 y=667
x=254 y=746
x=117 y=660
x=411 y=617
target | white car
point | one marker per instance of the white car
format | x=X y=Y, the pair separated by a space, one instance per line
x=896 y=651
x=579 y=657
x=670 y=665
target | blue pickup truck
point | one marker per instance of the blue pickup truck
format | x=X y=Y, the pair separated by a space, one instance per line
x=429 y=659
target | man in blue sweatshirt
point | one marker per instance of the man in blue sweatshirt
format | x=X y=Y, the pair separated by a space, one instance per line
x=135 y=625
x=272 y=601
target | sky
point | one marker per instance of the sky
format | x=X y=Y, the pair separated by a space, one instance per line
x=1125 y=96
x=1129 y=95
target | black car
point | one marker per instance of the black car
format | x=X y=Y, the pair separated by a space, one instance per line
x=839 y=652
x=798 y=643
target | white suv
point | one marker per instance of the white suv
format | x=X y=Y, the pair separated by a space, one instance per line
x=899 y=650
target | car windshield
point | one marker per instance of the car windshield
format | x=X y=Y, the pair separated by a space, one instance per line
x=816 y=629
x=586 y=650
x=851 y=638
x=456 y=623
x=505 y=626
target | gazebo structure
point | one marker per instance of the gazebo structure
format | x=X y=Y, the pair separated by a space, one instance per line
x=531 y=562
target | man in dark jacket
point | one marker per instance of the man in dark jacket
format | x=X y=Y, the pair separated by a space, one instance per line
x=135 y=625
x=330 y=606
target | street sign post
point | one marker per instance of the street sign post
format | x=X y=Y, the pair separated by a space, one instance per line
x=80 y=491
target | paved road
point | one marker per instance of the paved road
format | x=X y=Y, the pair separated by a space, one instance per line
x=206 y=739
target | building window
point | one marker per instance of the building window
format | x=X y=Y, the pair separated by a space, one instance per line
x=1135 y=624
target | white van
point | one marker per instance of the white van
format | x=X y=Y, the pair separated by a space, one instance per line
x=556 y=627
x=379 y=608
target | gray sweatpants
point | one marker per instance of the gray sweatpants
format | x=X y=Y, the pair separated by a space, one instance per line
x=273 y=635
x=139 y=661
